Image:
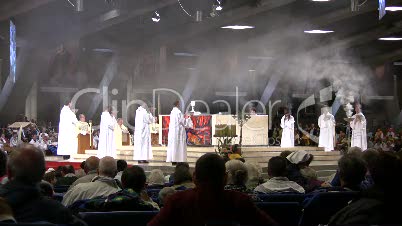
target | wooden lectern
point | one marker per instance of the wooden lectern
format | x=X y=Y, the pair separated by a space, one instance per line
x=125 y=139
x=84 y=143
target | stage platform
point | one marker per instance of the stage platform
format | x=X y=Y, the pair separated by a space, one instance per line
x=324 y=162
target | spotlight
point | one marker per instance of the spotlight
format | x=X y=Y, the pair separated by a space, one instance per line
x=393 y=8
x=318 y=32
x=391 y=39
x=219 y=6
x=238 y=27
x=156 y=17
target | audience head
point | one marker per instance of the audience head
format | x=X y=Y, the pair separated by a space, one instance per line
x=82 y=118
x=355 y=151
x=299 y=158
x=3 y=163
x=107 y=167
x=26 y=164
x=237 y=172
x=91 y=164
x=182 y=174
x=6 y=212
x=254 y=170
x=50 y=177
x=369 y=157
x=386 y=172
x=67 y=169
x=121 y=165
x=156 y=177
x=352 y=170
x=277 y=167
x=46 y=189
x=134 y=178
x=210 y=172
x=236 y=149
x=164 y=193
x=285 y=154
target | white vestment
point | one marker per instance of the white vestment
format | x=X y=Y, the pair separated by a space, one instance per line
x=67 y=139
x=359 y=136
x=142 y=135
x=107 y=144
x=326 y=122
x=288 y=132
x=177 y=143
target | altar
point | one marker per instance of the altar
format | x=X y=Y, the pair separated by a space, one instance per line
x=255 y=130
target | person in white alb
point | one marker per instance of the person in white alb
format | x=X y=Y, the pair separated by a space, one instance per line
x=358 y=125
x=107 y=144
x=326 y=122
x=67 y=138
x=142 y=134
x=288 y=130
x=177 y=143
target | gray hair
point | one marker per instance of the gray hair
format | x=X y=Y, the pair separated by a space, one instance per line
x=164 y=193
x=108 y=167
x=237 y=172
x=254 y=170
x=156 y=177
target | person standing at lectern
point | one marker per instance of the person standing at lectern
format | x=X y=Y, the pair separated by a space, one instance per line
x=67 y=138
x=118 y=133
x=82 y=125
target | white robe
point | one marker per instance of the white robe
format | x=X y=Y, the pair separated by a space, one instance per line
x=177 y=143
x=288 y=132
x=359 y=136
x=326 y=122
x=142 y=135
x=107 y=144
x=67 y=139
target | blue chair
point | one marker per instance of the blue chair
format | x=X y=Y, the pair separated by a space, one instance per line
x=322 y=206
x=285 y=213
x=154 y=194
x=118 y=218
x=282 y=197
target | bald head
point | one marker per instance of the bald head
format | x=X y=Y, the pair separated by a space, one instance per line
x=92 y=163
x=26 y=164
x=107 y=167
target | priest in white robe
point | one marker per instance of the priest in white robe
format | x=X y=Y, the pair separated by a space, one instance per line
x=288 y=130
x=358 y=125
x=177 y=142
x=67 y=137
x=107 y=143
x=326 y=122
x=142 y=134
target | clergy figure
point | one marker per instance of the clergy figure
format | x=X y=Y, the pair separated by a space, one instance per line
x=177 y=143
x=358 y=125
x=288 y=130
x=326 y=122
x=82 y=125
x=107 y=144
x=67 y=137
x=142 y=134
x=118 y=133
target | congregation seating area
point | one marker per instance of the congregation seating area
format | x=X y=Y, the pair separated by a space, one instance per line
x=286 y=208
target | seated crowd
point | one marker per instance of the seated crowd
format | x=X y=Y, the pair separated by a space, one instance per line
x=218 y=191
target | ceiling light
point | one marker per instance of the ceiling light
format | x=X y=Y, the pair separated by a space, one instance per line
x=391 y=39
x=156 y=17
x=393 y=8
x=218 y=8
x=318 y=32
x=238 y=27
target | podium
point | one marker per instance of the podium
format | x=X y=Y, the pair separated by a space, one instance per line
x=83 y=143
x=125 y=139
